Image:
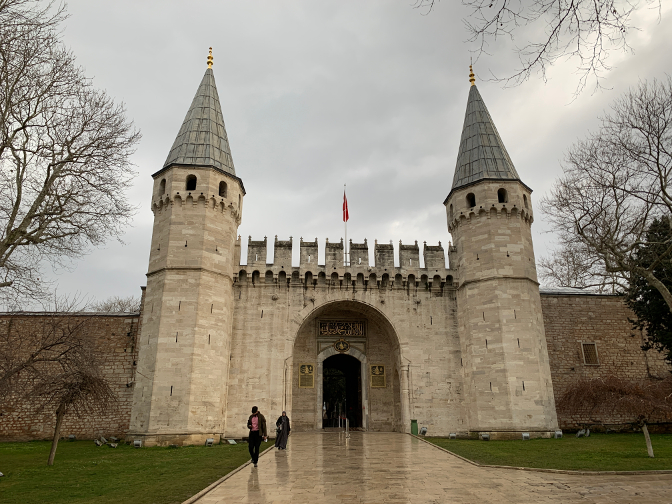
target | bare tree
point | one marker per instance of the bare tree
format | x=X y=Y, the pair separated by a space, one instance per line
x=116 y=304
x=29 y=345
x=640 y=401
x=615 y=184
x=588 y=31
x=51 y=362
x=79 y=389
x=578 y=268
x=64 y=152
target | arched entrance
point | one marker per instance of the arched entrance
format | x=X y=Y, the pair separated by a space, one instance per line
x=346 y=355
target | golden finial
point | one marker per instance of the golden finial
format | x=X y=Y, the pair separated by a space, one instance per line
x=471 y=76
x=210 y=59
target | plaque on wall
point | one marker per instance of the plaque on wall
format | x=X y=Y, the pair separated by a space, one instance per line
x=306 y=376
x=341 y=328
x=342 y=346
x=377 y=376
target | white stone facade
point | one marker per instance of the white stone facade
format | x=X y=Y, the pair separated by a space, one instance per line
x=458 y=347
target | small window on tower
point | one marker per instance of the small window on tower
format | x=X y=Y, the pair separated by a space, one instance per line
x=471 y=200
x=590 y=354
x=222 y=189
x=502 y=196
x=525 y=200
x=451 y=212
x=162 y=187
x=191 y=182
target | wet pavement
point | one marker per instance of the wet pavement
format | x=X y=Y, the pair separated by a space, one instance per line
x=397 y=468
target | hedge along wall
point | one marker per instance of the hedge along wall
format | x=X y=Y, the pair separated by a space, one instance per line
x=572 y=321
x=115 y=336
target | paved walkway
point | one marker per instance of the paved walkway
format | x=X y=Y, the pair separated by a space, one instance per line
x=395 y=468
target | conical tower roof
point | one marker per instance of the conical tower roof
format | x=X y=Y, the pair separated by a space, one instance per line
x=202 y=140
x=482 y=154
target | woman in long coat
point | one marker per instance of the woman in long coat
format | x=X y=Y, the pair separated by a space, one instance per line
x=282 y=428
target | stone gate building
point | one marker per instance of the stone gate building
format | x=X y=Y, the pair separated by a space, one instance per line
x=218 y=336
x=464 y=346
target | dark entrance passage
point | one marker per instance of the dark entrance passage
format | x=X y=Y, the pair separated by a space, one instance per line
x=342 y=391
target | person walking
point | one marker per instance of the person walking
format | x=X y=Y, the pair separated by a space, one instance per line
x=282 y=429
x=257 y=425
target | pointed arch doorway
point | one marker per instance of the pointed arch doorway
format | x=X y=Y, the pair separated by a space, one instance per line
x=347 y=355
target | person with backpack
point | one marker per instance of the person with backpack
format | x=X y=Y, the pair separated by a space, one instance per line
x=257 y=425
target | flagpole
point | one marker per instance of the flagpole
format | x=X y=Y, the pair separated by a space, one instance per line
x=345 y=247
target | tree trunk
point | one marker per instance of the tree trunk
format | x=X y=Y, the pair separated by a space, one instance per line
x=60 y=413
x=656 y=284
x=649 y=448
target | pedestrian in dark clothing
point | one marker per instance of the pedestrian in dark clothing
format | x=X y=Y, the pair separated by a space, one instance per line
x=257 y=425
x=282 y=429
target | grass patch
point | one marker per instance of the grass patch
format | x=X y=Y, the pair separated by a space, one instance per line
x=599 y=452
x=83 y=472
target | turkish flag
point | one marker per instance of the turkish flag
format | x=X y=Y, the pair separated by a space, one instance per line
x=346 y=216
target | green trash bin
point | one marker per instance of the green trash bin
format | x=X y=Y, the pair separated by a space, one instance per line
x=414 y=427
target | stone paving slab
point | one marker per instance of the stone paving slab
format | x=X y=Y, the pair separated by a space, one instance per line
x=397 y=468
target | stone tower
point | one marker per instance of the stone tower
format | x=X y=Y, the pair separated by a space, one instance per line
x=507 y=378
x=184 y=348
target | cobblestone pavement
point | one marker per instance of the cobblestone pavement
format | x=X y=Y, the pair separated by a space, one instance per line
x=395 y=468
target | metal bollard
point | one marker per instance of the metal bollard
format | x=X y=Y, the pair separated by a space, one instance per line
x=347 y=427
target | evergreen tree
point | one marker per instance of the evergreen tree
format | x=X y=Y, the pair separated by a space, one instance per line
x=652 y=312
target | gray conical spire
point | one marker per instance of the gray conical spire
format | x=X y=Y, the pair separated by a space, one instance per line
x=482 y=154
x=202 y=139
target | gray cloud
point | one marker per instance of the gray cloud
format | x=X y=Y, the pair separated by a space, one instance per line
x=318 y=94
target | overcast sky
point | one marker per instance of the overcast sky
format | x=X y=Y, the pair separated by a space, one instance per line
x=320 y=94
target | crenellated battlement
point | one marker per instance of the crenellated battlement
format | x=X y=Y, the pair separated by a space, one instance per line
x=188 y=201
x=496 y=211
x=383 y=274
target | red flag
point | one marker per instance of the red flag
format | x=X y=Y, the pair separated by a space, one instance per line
x=346 y=216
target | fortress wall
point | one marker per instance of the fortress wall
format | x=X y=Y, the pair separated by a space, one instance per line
x=383 y=254
x=408 y=256
x=382 y=349
x=359 y=253
x=429 y=347
x=409 y=268
x=333 y=255
x=571 y=320
x=282 y=253
x=115 y=338
x=307 y=252
x=261 y=343
x=256 y=252
x=264 y=360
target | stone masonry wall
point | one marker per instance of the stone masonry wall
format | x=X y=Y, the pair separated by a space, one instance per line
x=114 y=335
x=274 y=303
x=571 y=320
x=262 y=359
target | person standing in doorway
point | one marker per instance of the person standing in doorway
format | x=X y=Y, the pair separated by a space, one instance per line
x=257 y=425
x=282 y=428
